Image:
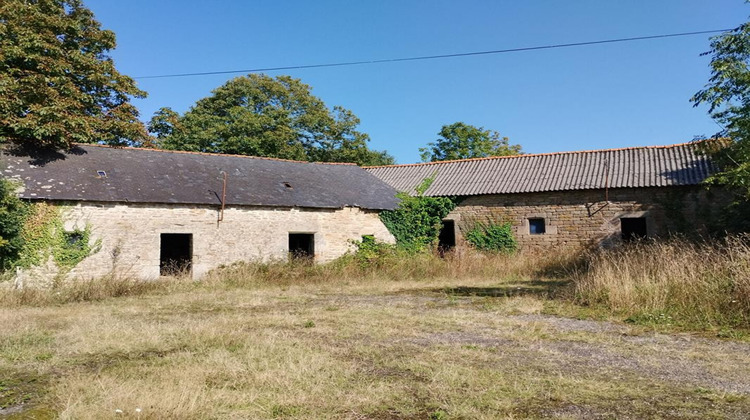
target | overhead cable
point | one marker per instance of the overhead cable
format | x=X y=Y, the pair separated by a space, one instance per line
x=433 y=57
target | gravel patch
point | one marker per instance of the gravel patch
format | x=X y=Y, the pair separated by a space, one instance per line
x=574 y=325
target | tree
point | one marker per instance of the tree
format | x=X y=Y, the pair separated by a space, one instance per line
x=728 y=95
x=464 y=141
x=57 y=83
x=258 y=115
x=164 y=123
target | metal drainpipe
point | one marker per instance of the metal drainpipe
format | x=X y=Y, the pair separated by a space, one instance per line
x=223 y=197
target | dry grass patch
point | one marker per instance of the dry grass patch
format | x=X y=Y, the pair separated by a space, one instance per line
x=698 y=285
x=467 y=338
x=377 y=349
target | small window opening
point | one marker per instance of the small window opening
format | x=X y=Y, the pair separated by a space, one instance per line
x=74 y=239
x=176 y=254
x=633 y=228
x=101 y=174
x=537 y=226
x=447 y=237
x=301 y=246
x=288 y=185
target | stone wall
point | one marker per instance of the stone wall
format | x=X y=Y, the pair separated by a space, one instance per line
x=578 y=218
x=131 y=234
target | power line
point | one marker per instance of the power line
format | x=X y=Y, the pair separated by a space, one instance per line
x=434 y=57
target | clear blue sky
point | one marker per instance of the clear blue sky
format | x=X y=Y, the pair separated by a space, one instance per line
x=602 y=96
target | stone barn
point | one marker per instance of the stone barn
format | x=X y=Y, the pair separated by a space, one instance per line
x=571 y=198
x=151 y=211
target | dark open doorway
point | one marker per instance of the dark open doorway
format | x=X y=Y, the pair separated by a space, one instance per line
x=301 y=246
x=176 y=254
x=633 y=228
x=447 y=236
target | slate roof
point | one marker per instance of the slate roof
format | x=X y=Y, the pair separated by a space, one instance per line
x=155 y=176
x=654 y=166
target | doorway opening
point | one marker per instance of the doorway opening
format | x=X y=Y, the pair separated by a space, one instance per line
x=176 y=257
x=447 y=237
x=633 y=228
x=301 y=246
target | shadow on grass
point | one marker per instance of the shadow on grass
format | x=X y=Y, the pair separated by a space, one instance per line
x=537 y=288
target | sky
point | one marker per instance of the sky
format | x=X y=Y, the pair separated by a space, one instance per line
x=578 y=98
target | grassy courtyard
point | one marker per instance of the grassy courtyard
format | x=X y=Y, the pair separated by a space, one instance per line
x=482 y=345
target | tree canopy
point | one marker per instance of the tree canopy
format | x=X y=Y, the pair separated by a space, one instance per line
x=258 y=115
x=728 y=95
x=464 y=141
x=57 y=83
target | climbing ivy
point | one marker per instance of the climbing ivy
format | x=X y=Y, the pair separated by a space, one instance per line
x=494 y=237
x=13 y=213
x=72 y=247
x=417 y=221
x=42 y=235
x=38 y=234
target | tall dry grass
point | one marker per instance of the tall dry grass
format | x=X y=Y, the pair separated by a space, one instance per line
x=396 y=266
x=388 y=267
x=676 y=280
x=84 y=290
x=705 y=283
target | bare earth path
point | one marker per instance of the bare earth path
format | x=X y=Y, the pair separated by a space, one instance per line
x=342 y=351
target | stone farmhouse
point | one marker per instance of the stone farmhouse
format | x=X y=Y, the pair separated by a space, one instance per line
x=154 y=211
x=574 y=198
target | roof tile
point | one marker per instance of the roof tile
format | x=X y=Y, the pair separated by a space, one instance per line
x=653 y=166
x=158 y=176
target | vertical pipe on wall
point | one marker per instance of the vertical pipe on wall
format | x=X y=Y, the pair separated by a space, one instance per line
x=223 y=196
x=606 y=180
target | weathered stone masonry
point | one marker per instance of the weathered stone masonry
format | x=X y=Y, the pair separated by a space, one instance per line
x=130 y=234
x=584 y=217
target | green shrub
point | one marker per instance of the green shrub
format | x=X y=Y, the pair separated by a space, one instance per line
x=417 y=221
x=494 y=237
x=370 y=252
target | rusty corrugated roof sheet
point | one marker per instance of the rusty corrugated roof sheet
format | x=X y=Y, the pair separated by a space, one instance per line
x=652 y=166
x=158 y=176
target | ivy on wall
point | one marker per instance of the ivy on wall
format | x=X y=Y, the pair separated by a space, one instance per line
x=13 y=213
x=493 y=237
x=417 y=221
x=32 y=233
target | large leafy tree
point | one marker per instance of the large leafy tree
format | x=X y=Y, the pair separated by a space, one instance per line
x=464 y=141
x=258 y=115
x=58 y=84
x=728 y=95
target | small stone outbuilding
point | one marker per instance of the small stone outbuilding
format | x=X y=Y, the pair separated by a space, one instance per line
x=572 y=198
x=151 y=210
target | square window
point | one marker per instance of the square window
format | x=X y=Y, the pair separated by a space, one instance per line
x=302 y=246
x=633 y=228
x=537 y=226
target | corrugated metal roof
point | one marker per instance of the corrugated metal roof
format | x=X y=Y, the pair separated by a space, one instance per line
x=157 y=176
x=652 y=166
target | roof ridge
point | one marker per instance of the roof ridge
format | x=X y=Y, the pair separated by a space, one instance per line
x=695 y=142
x=105 y=146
